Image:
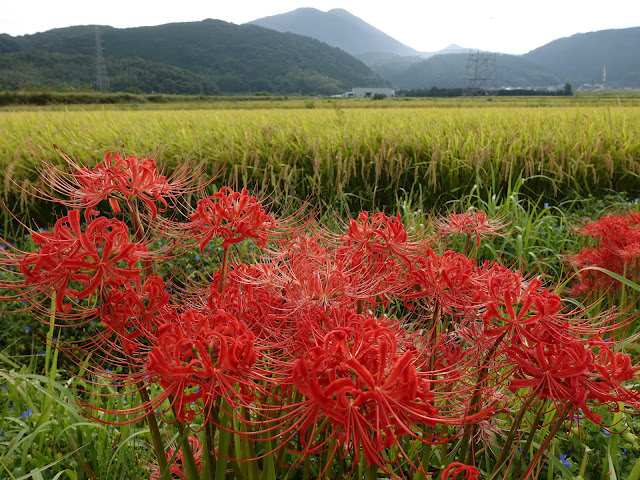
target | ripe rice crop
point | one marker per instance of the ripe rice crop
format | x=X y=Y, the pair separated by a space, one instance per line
x=365 y=158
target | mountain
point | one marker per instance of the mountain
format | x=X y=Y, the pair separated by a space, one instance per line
x=215 y=56
x=222 y=56
x=340 y=29
x=580 y=58
x=449 y=71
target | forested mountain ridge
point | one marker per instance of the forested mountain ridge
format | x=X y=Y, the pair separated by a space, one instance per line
x=582 y=58
x=221 y=56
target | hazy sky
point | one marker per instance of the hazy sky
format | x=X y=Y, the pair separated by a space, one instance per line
x=508 y=26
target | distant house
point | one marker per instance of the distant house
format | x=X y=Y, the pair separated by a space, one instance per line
x=370 y=92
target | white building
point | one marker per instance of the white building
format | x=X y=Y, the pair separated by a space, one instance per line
x=370 y=92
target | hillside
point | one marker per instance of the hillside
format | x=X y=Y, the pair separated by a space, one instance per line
x=230 y=58
x=448 y=71
x=580 y=58
x=38 y=68
x=340 y=29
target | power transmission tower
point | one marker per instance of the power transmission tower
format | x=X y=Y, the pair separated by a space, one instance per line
x=480 y=76
x=102 y=79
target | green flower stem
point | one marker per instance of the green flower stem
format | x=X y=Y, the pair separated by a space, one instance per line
x=552 y=433
x=506 y=449
x=425 y=459
x=187 y=454
x=527 y=445
x=371 y=472
x=156 y=437
x=209 y=456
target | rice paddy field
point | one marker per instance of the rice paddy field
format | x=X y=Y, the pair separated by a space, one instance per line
x=438 y=289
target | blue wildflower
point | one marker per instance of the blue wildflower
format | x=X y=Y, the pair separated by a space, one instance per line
x=565 y=462
x=27 y=413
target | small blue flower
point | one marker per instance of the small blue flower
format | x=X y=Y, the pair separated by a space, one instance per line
x=42 y=353
x=27 y=413
x=608 y=434
x=565 y=462
x=546 y=205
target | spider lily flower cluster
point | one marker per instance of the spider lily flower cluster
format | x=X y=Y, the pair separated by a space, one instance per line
x=615 y=247
x=364 y=350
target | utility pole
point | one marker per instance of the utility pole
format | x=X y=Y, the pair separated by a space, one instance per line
x=102 y=79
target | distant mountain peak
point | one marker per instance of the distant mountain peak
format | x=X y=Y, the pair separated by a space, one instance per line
x=338 y=28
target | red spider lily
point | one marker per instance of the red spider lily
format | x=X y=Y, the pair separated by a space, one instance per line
x=306 y=273
x=231 y=215
x=130 y=314
x=552 y=371
x=177 y=467
x=450 y=279
x=460 y=471
x=617 y=249
x=119 y=178
x=199 y=357
x=366 y=387
x=472 y=223
x=101 y=256
x=513 y=304
x=569 y=372
x=379 y=249
x=378 y=236
x=614 y=368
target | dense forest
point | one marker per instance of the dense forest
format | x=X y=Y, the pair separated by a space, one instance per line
x=198 y=57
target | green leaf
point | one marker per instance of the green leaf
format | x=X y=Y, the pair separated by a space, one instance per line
x=620 y=278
